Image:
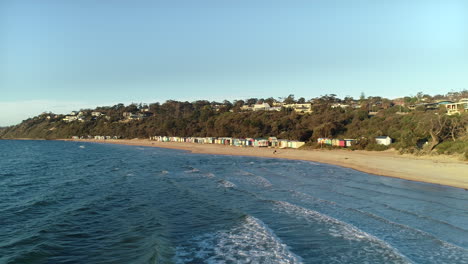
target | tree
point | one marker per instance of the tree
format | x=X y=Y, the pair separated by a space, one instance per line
x=270 y=101
x=362 y=97
x=436 y=125
x=237 y=105
x=419 y=96
x=289 y=99
x=251 y=101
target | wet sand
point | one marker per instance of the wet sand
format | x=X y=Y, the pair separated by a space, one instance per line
x=438 y=170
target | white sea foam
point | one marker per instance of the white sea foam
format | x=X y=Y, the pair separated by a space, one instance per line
x=308 y=162
x=209 y=175
x=245 y=173
x=337 y=228
x=256 y=179
x=193 y=170
x=226 y=184
x=82 y=147
x=310 y=198
x=250 y=242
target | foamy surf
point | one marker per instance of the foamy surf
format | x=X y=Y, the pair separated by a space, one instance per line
x=209 y=175
x=249 y=242
x=339 y=229
x=226 y=184
x=255 y=179
x=192 y=170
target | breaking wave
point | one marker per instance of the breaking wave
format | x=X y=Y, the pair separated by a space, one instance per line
x=249 y=242
x=339 y=229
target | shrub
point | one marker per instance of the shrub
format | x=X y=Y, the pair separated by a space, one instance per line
x=376 y=147
x=453 y=147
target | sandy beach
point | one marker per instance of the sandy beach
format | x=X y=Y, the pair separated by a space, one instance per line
x=438 y=170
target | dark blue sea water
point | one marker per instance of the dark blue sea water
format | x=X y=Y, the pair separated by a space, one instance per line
x=70 y=202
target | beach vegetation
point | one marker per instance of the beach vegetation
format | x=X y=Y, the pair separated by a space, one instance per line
x=420 y=130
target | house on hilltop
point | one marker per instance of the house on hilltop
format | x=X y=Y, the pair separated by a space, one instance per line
x=457 y=108
x=300 y=108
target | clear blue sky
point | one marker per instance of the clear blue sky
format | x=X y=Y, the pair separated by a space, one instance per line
x=64 y=55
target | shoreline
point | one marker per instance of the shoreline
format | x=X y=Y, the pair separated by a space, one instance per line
x=436 y=170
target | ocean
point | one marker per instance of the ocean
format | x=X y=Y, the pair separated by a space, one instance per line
x=75 y=202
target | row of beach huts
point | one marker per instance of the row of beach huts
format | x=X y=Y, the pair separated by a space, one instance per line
x=346 y=143
x=96 y=137
x=271 y=142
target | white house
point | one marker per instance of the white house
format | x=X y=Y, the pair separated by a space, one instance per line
x=457 y=108
x=336 y=105
x=383 y=140
x=246 y=108
x=70 y=118
x=300 y=108
x=259 y=107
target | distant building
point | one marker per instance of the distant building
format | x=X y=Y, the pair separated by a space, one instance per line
x=444 y=102
x=261 y=107
x=457 y=108
x=136 y=116
x=129 y=115
x=246 y=108
x=70 y=118
x=300 y=108
x=383 y=140
x=336 y=105
x=96 y=114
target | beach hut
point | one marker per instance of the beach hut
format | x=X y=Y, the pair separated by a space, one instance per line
x=249 y=142
x=321 y=141
x=296 y=144
x=283 y=143
x=261 y=142
x=383 y=140
x=349 y=142
x=236 y=142
x=273 y=142
x=335 y=142
x=342 y=143
x=227 y=141
x=243 y=142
